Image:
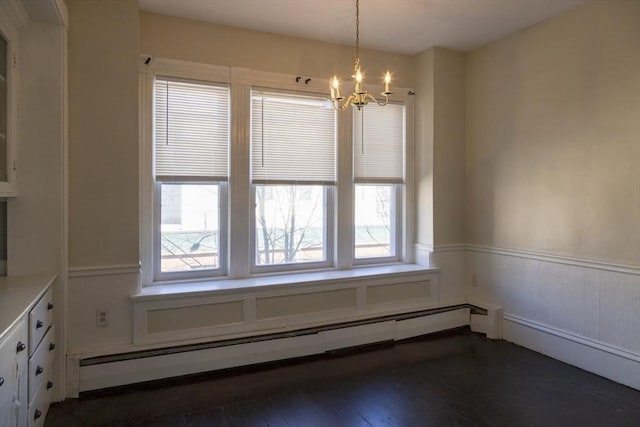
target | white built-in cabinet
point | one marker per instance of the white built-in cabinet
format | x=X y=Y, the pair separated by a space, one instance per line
x=27 y=350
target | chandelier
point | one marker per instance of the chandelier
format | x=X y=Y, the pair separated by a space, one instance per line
x=360 y=97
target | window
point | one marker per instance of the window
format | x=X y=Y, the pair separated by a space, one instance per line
x=246 y=172
x=378 y=153
x=293 y=158
x=191 y=138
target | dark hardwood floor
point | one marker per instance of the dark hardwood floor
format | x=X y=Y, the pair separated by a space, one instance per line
x=453 y=379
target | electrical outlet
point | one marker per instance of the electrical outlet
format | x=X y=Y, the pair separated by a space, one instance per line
x=474 y=280
x=102 y=319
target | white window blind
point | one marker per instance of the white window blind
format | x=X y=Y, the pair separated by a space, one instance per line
x=378 y=150
x=293 y=139
x=191 y=131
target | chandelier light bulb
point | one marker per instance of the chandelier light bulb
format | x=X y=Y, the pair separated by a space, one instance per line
x=335 y=88
x=387 y=80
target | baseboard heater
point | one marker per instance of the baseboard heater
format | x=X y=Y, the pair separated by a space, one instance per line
x=140 y=366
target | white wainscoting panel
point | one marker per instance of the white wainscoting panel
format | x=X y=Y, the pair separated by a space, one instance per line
x=100 y=288
x=451 y=260
x=610 y=362
x=584 y=312
x=275 y=307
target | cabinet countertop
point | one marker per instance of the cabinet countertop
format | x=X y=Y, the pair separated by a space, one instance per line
x=17 y=295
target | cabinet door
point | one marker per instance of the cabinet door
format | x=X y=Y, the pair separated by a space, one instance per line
x=4 y=106
x=8 y=108
x=13 y=375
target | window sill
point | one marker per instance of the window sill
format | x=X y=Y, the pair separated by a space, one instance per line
x=273 y=282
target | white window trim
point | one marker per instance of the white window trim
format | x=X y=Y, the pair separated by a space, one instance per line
x=239 y=220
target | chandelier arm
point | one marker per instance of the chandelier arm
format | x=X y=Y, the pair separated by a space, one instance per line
x=385 y=102
x=341 y=107
x=380 y=103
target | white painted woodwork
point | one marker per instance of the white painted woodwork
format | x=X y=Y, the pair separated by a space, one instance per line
x=584 y=312
x=22 y=350
x=280 y=302
x=36 y=230
x=594 y=356
x=96 y=376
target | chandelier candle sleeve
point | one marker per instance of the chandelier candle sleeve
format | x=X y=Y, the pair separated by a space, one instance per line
x=335 y=88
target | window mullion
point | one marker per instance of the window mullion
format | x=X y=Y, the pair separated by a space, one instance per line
x=407 y=227
x=147 y=191
x=239 y=218
x=344 y=207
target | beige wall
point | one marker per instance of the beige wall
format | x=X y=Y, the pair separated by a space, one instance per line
x=103 y=132
x=190 y=40
x=424 y=146
x=553 y=136
x=448 y=147
x=440 y=167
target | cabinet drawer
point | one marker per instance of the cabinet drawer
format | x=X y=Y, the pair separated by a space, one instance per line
x=13 y=353
x=39 y=407
x=41 y=364
x=40 y=318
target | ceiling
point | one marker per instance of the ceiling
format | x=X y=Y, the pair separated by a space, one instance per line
x=400 y=26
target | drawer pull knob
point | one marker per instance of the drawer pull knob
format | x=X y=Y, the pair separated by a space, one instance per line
x=21 y=346
x=49 y=385
x=39 y=324
x=52 y=346
x=37 y=414
x=49 y=306
x=39 y=370
x=1 y=381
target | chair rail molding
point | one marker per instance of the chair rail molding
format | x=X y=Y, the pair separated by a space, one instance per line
x=104 y=270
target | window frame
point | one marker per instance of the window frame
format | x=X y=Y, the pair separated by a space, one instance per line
x=240 y=192
x=328 y=195
x=399 y=193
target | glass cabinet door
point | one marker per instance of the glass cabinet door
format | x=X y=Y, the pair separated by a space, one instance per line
x=4 y=106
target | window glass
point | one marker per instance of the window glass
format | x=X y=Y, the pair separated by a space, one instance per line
x=374 y=224
x=290 y=224
x=189 y=227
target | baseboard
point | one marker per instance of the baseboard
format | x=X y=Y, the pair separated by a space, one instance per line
x=140 y=369
x=599 y=358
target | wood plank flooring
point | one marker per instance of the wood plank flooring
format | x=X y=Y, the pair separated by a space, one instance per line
x=453 y=379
